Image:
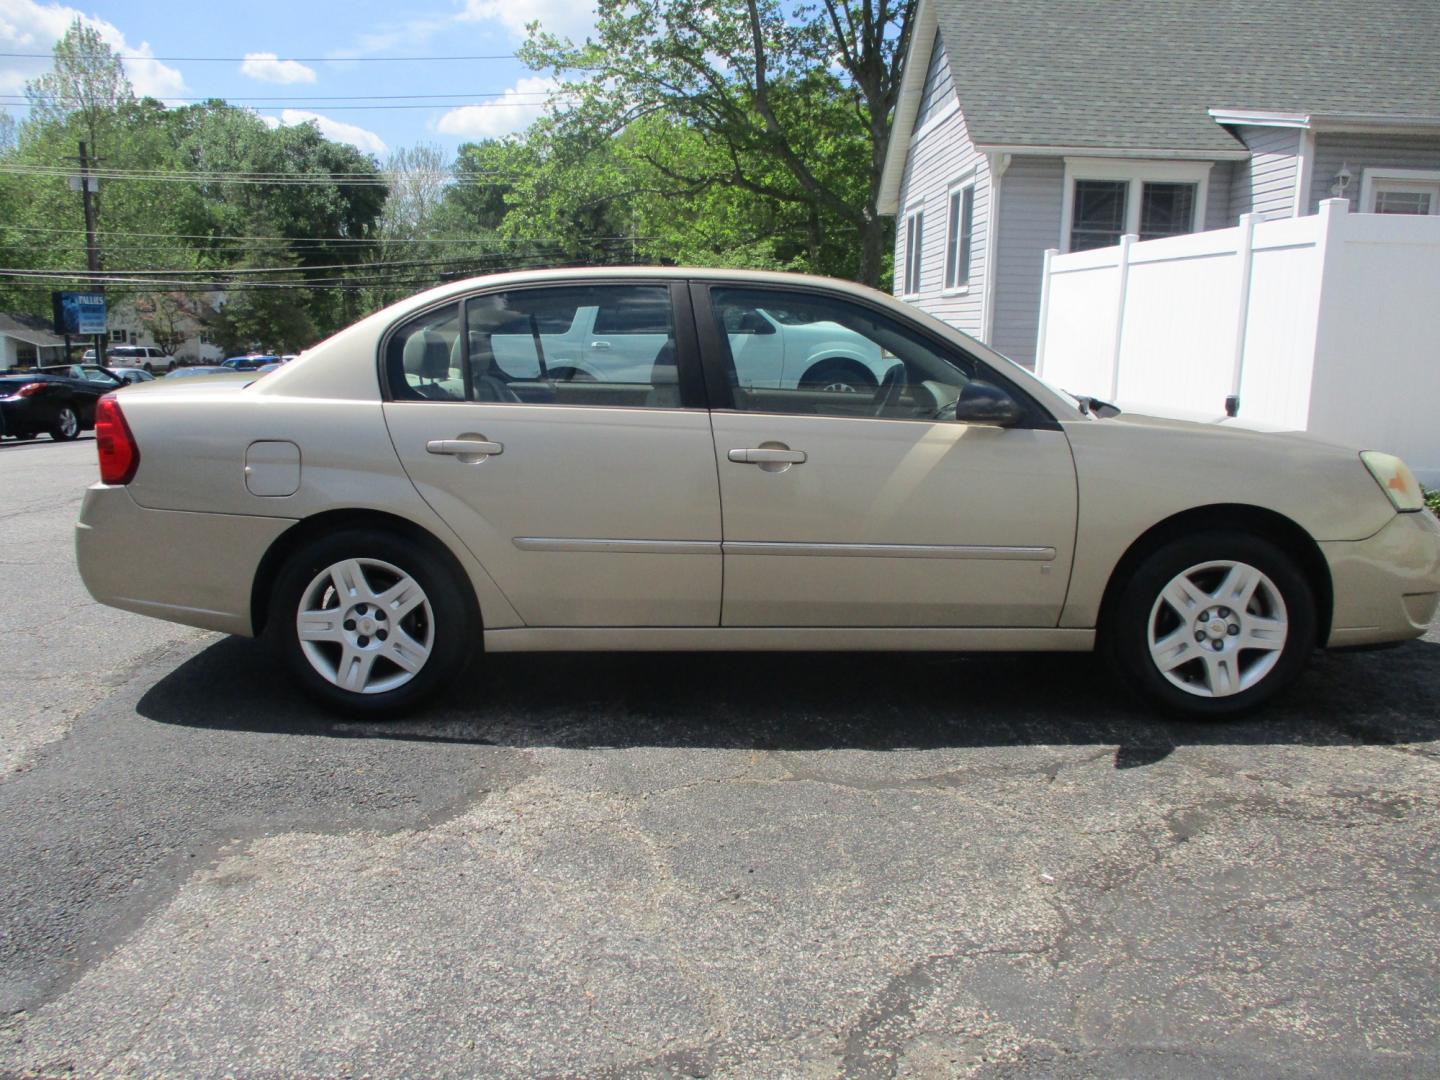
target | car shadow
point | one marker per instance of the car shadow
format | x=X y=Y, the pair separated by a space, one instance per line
x=814 y=701
x=8 y=442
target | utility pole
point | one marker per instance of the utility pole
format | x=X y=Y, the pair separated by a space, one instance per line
x=92 y=249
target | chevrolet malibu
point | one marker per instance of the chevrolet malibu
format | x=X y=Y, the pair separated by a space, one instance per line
x=434 y=480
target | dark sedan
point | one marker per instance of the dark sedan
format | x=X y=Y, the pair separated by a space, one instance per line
x=36 y=402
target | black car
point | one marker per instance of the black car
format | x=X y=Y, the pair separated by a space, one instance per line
x=56 y=404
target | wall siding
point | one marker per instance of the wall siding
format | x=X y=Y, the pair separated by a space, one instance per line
x=1265 y=184
x=1031 y=198
x=1218 y=197
x=939 y=84
x=940 y=155
x=1360 y=152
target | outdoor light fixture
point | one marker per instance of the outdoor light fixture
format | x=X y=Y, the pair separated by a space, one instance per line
x=1342 y=181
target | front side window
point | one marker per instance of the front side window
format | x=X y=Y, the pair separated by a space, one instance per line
x=914 y=238
x=958 y=238
x=609 y=345
x=840 y=359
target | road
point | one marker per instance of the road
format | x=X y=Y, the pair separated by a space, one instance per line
x=734 y=866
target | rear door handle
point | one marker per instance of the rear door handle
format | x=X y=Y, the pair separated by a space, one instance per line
x=759 y=456
x=600 y=344
x=464 y=447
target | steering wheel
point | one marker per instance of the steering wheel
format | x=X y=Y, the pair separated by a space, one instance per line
x=891 y=386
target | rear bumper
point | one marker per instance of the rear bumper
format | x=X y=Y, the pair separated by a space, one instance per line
x=1387 y=588
x=201 y=568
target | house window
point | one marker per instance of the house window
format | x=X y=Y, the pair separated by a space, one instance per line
x=914 y=238
x=959 y=236
x=1166 y=210
x=1400 y=191
x=1099 y=219
x=118 y=336
x=1106 y=199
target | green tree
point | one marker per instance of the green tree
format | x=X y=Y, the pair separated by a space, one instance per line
x=794 y=98
x=86 y=80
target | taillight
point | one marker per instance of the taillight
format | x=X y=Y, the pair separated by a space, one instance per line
x=119 y=455
x=30 y=389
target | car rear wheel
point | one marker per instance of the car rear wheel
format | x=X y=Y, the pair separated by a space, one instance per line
x=370 y=623
x=1213 y=626
x=839 y=377
x=67 y=425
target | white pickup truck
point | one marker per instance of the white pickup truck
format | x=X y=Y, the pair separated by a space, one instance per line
x=771 y=349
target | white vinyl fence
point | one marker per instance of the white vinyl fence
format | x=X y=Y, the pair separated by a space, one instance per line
x=1328 y=324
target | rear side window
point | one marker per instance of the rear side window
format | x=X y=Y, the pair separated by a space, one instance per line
x=423 y=360
x=595 y=345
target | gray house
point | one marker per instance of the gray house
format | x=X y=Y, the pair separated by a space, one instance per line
x=1034 y=124
x=26 y=341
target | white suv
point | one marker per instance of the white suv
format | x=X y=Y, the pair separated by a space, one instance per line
x=142 y=356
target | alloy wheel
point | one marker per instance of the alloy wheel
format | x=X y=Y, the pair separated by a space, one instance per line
x=365 y=626
x=1218 y=628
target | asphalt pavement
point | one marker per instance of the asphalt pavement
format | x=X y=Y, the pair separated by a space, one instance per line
x=649 y=865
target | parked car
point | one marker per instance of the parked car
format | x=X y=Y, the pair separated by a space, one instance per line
x=772 y=347
x=201 y=369
x=405 y=495
x=133 y=375
x=249 y=362
x=89 y=373
x=52 y=401
x=146 y=357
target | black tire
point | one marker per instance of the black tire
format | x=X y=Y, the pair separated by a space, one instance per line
x=451 y=618
x=1126 y=634
x=67 y=424
x=834 y=374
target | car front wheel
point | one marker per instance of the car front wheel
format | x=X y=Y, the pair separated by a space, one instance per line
x=67 y=425
x=370 y=623
x=1213 y=625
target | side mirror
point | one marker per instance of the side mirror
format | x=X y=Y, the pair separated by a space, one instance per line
x=985 y=403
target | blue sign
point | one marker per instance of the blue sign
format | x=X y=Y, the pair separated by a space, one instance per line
x=79 y=314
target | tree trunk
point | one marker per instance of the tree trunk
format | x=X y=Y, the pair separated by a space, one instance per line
x=872 y=250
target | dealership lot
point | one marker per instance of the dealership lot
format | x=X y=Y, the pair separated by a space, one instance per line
x=693 y=865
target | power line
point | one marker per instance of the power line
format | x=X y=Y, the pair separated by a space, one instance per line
x=267 y=59
x=325 y=240
x=529 y=96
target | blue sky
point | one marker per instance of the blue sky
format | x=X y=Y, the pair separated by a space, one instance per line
x=491 y=97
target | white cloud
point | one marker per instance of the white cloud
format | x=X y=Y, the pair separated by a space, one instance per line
x=574 y=19
x=520 y=105
x=268 y=67
x=354 y=134
x=27 y=26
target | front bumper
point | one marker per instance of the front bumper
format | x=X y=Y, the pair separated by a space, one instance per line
x=1387 y=587
x=196 y=569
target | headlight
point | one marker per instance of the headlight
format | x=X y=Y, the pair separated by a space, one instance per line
x=1395 y=477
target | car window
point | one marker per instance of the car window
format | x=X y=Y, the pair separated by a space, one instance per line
x=422 y=358
x=832 y=357
x=617 y=347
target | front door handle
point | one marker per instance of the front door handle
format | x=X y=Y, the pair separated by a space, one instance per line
x=465 y=448
x=767 y=456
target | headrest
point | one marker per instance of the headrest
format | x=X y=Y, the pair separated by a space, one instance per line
x=481 y=355
x=427 y=356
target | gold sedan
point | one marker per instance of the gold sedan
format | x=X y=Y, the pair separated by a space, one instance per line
x=688 y=459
